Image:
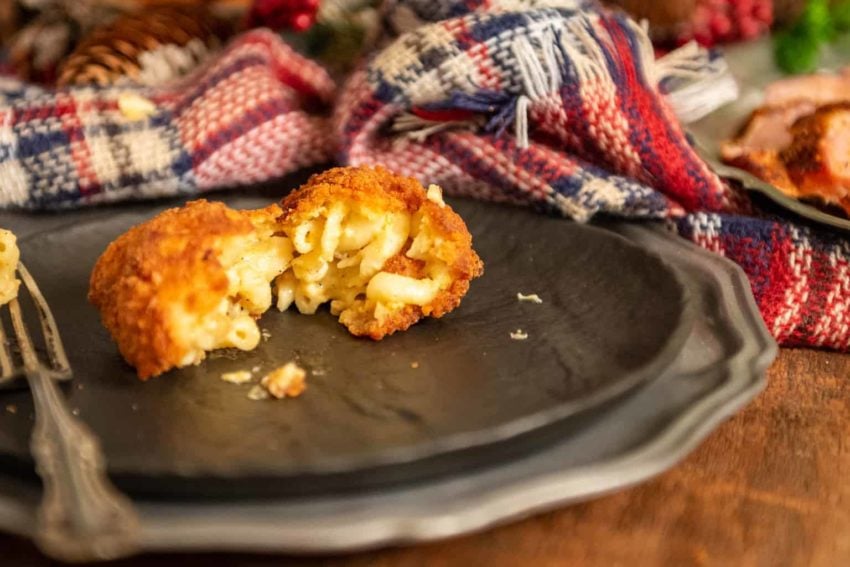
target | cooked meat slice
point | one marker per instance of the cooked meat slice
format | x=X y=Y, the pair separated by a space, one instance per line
x=818 y=159
x=767 y=166
x=768 y=128
x=817 y=88
x=799 y=141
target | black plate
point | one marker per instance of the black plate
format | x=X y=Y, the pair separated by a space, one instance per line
x=613 y=316
x=720 y=368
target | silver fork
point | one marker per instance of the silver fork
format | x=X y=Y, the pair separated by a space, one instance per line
x=82 y=516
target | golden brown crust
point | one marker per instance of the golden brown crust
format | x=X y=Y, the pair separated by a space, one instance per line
x=170 y=260
x=384 y=190
x=168 y=267
x=376 y=187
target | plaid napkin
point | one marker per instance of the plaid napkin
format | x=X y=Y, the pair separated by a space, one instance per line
x=238 y=120
x=555 y=104
x=562 y=106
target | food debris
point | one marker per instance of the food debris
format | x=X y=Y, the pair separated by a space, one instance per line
x=435 y=195
x=531 y=297
x=75 y=411
x=255 y=369
x=258 y=393
x=266 y=334
x=238 y=377
x=414 y=365
x=318 y=372
x=12 y=408
x=135 y=107
x=287 y=381
x=519 y=335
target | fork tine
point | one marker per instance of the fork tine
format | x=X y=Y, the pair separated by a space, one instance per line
x=7 y=373
x=55 y=348
x=24 y=342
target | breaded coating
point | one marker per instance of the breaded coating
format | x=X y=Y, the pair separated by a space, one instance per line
x=9 y=256
x=162 y=284
x=387 y=254
x=377 y=247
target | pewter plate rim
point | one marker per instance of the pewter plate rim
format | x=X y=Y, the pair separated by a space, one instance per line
x=253 y=526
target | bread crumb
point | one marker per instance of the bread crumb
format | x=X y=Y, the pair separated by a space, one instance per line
x=287 y=381
x=12 y=408
x=255 y=369
x=414 y=365
x=238 y=377
x=531 y=297
x=435 y=195
x=318 y=372
x=519 y=335
x=258 y=393
x=266 y=334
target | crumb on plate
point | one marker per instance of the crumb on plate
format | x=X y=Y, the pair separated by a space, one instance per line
x=238 y=377
x=414 y=364
x=519 y=335
x=288 y=381
x=258 y=393
x=531 y=297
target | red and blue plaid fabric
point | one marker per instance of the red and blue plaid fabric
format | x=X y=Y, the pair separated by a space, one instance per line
x=549 y=103
x=566 y=109
x=238 y=120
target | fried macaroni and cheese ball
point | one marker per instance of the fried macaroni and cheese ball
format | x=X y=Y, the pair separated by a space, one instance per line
x=378 y=248
x=188 y=281
x=9 y=256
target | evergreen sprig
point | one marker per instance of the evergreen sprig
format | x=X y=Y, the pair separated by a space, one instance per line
x=797 y=49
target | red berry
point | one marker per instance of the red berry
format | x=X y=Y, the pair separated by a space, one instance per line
x=749 y=29
x=743 y=6
x=295 y=14
x=720 y=25
x=763 y=11
x=301 y=22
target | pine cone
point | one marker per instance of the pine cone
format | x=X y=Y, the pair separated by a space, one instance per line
x=49 y=33
x=149 y=47
x=36 y=50
x=8 y=20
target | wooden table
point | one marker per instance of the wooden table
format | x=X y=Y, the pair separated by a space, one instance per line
x=771 y=487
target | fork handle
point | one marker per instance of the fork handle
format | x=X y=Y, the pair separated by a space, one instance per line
x=82 y=516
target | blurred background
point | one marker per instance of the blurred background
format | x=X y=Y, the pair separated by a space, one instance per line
x=64 y=42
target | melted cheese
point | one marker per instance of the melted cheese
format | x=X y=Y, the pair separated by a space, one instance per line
x=340 y=256
x=9 y=256
x=251 y=265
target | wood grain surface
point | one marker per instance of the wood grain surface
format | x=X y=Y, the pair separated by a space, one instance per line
x=770 y=487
